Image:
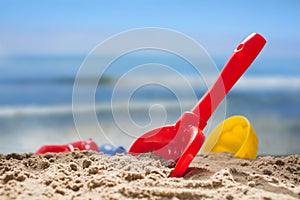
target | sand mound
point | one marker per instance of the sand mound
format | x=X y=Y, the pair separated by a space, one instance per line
x=84 y=175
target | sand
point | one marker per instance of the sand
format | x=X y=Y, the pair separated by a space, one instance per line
x=91 y=175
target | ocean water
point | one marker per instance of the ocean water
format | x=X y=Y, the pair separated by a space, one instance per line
x=36 y=101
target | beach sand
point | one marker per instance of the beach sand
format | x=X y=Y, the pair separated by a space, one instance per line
x=91 y=175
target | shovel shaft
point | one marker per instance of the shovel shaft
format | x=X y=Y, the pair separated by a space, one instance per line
x=237 y=64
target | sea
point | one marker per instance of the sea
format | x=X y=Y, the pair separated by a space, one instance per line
x=137 y=93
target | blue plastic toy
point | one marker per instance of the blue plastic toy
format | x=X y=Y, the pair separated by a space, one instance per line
x=111 y=150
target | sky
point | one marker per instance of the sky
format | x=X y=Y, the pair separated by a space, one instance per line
x=66 y=27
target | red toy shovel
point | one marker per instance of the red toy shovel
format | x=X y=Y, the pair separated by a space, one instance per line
x=182 y=141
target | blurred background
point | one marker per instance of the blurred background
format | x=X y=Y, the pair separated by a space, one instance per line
x=43 y=44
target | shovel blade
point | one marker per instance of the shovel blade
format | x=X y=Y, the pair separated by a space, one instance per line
x=181 y=146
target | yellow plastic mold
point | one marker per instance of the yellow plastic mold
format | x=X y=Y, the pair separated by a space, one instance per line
x=233 y=135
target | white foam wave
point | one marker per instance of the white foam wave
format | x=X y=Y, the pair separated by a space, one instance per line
x=268 y=83
x=11 y=111
x=18 y=111
x=245 y=83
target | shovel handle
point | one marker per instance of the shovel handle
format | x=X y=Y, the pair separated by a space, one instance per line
x=242 y=57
